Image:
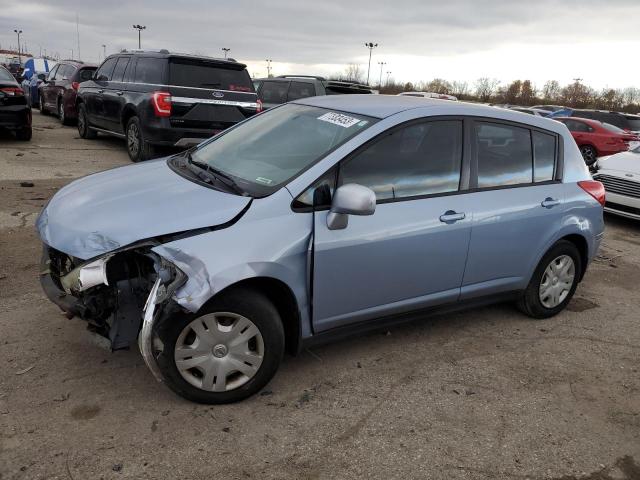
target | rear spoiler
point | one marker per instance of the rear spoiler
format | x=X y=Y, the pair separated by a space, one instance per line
x=229 y=63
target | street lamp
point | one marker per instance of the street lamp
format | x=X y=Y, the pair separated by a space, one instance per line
x=370 y=46
x=225 y=50
x=382 y=64
x=104 y=51
x=139 y=28
x=268 y=60
x=19 y=51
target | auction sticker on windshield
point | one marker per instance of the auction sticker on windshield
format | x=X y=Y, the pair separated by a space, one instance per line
x=339 y=119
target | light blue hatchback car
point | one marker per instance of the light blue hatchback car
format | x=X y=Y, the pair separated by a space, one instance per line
x=320 y=218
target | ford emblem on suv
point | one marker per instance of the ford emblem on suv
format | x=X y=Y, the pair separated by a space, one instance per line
x=218 y=94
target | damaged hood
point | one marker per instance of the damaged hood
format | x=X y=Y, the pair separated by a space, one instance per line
x=105 y=211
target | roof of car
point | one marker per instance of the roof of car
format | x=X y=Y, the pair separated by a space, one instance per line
x=382 y=106
x=167 y=54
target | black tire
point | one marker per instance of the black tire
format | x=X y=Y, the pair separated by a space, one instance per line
x=24 y=134
x=589 y=154
x=41 y=106
x=83 y=124
x=247 y=303
x=137 y=147
x=62 y=116
x=530 y=303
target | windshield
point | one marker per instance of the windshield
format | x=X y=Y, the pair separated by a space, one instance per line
x=612 y=128
x=277 y=145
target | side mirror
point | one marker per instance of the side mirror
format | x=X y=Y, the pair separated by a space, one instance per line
x=42 y=76
x=350 y=199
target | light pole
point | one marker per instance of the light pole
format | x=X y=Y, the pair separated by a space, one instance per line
x=269 y=67
x=382 y=64
x=139 y=28
x=226 y=51
x=19 y=51
x=104 y=51
x=370 y=46
x=388 y=73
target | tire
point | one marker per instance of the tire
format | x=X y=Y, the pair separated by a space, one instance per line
x=61 y=113
x=589 y=154
x=24 y=134
x=552 y=285
x=247 y=308
x=41 y=106
x=137 y=147
x=83 y=124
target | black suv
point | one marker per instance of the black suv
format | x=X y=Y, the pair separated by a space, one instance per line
x=164 y=99
x=625 y=121
x=286 y=88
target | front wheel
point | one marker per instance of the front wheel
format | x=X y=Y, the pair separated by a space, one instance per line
x=554 y=282
x=83 y=124
x=62 y=116
x=41 y=106
x=589 y=154
x=224 y=353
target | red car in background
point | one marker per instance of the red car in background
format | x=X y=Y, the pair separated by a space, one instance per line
x=596 y=139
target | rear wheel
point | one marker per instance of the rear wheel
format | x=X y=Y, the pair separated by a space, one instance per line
x=24 y=134
x=554 y=282
x=137 y=147
x=225 y=353
x=61 y=113
x=589 y=154
x=83 y=124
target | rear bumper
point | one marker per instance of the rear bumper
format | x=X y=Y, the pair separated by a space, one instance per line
x=170 y=136
x=15 y=116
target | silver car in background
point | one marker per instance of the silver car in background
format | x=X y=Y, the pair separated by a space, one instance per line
x=320 y=218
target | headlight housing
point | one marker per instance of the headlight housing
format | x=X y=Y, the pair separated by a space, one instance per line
x=86 y=276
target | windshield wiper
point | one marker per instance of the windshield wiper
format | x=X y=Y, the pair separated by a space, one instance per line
x=216 y=174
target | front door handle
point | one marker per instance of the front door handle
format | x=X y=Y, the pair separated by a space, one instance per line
x=550 y=202
x=451 y=216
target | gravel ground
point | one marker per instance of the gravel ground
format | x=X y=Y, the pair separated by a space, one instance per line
x=487 y=393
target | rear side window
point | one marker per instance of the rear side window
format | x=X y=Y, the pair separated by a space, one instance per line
x=274 y=92
x=85 y=74
x=420 y=159
x=544 y=156
x=150 y=70
x=106 y=69
x=301 y=90
x=199 y=74
x=68 y=71
x=576 y=126
x=121 y=66
x=504 y=155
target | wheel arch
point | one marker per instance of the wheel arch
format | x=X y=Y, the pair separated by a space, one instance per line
x=127 y=112
x=583 y=248
x=282 y=297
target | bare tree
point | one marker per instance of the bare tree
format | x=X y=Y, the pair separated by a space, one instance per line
x=459 y=89
x=485 y=88
x=354 y=73
x=551 y=91
x=438 y=85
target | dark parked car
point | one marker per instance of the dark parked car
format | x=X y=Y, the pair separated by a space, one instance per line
x=625 y=121
x=164 y=99
x=286 y=88
x=58 y=92
x=15 y=113
x=31 y=88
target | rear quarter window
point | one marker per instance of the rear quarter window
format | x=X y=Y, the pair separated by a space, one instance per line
x=150 y=70
x=186 y=73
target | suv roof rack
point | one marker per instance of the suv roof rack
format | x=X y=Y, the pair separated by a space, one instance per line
x=315 y=77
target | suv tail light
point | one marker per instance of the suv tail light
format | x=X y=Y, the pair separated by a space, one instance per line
x=161 y=104
x=595 y=189
x=12 y=91
x=75 y=85
x=260 y=107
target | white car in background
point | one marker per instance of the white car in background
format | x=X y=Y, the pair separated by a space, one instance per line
x=439 y=96
x=620 y=175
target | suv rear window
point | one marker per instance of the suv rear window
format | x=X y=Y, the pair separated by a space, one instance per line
x=150 y=70
x=188 y=73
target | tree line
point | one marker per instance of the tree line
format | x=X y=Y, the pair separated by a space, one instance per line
x=518 y=92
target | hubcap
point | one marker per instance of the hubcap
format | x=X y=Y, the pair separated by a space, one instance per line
x=588 y=153
x=133 y=142
x=557 y=281
x=219 y=352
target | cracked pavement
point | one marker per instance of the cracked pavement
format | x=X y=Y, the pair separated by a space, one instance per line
x=486 y=393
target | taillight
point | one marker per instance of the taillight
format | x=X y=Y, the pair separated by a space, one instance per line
x=12 y=91
x=595 y=189
x=75 y=85
x=260 y=108
x=161 y=104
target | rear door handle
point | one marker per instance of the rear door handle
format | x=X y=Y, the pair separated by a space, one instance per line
x=451 y=216
x=550 y=202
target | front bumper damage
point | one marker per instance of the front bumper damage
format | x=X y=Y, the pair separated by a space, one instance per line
x=123 y=296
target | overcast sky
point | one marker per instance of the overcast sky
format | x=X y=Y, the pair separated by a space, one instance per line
x=597 y=40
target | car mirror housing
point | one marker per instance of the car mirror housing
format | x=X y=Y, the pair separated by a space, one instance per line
x=350 y=199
